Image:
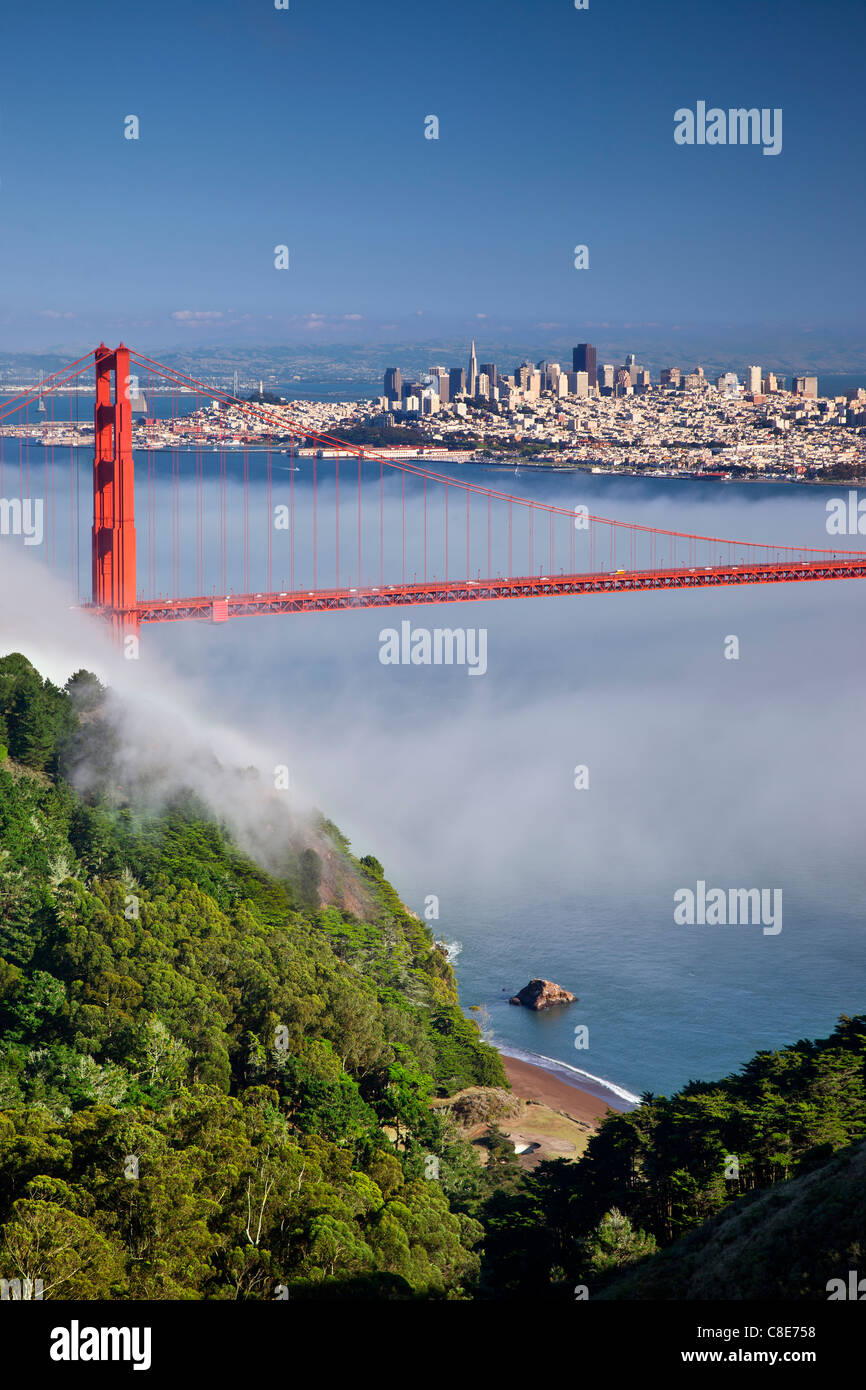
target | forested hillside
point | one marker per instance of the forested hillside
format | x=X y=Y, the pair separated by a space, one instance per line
x=209 y=1085
x=785 y=1242
x=215 y=1078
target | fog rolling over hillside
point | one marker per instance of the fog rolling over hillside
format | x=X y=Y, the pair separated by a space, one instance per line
x=700 y=768
x=165 y=735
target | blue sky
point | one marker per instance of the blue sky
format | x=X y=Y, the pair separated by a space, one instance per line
x=305 y=127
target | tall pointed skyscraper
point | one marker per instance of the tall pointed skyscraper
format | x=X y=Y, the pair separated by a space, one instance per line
x=472 y=383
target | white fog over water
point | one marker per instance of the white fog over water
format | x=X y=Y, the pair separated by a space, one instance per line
x=740 y=774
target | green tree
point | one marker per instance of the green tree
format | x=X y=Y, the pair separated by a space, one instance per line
x=66 y=1251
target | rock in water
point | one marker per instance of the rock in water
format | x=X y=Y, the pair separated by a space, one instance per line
x=542 y=994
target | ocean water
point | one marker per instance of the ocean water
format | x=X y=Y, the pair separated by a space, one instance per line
x=744 y=773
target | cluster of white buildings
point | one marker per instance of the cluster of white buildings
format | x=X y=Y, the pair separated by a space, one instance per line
x=685 y=423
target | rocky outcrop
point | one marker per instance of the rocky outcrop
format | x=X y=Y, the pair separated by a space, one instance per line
x=542 y=994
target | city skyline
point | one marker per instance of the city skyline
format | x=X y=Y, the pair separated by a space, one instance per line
x=588 y=377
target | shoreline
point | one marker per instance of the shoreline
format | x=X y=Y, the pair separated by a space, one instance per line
x=504 y=464
x=583 y=1098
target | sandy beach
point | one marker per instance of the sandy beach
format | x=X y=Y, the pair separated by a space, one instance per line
x=544 y=1088
x=544 y=1115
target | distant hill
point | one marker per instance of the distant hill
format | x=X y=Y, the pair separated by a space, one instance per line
x=785 y=1243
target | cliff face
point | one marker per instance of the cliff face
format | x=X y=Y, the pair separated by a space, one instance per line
x=542 y=994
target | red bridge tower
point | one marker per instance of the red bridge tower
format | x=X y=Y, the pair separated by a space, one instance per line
x=114 y=493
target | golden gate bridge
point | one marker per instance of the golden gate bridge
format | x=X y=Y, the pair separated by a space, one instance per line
x=373 y=531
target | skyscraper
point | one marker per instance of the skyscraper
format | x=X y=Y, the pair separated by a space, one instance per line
x=584 y=359
x=472 y=383
x=549 y=371
x=393 y=383
x=521 y=375
x=489 y=369
x=753 y=380
x=456 y=382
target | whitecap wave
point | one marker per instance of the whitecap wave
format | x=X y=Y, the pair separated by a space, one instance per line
x=553 y=1064
x=451 y=949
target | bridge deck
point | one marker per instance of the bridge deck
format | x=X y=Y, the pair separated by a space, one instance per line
x=208 y=607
